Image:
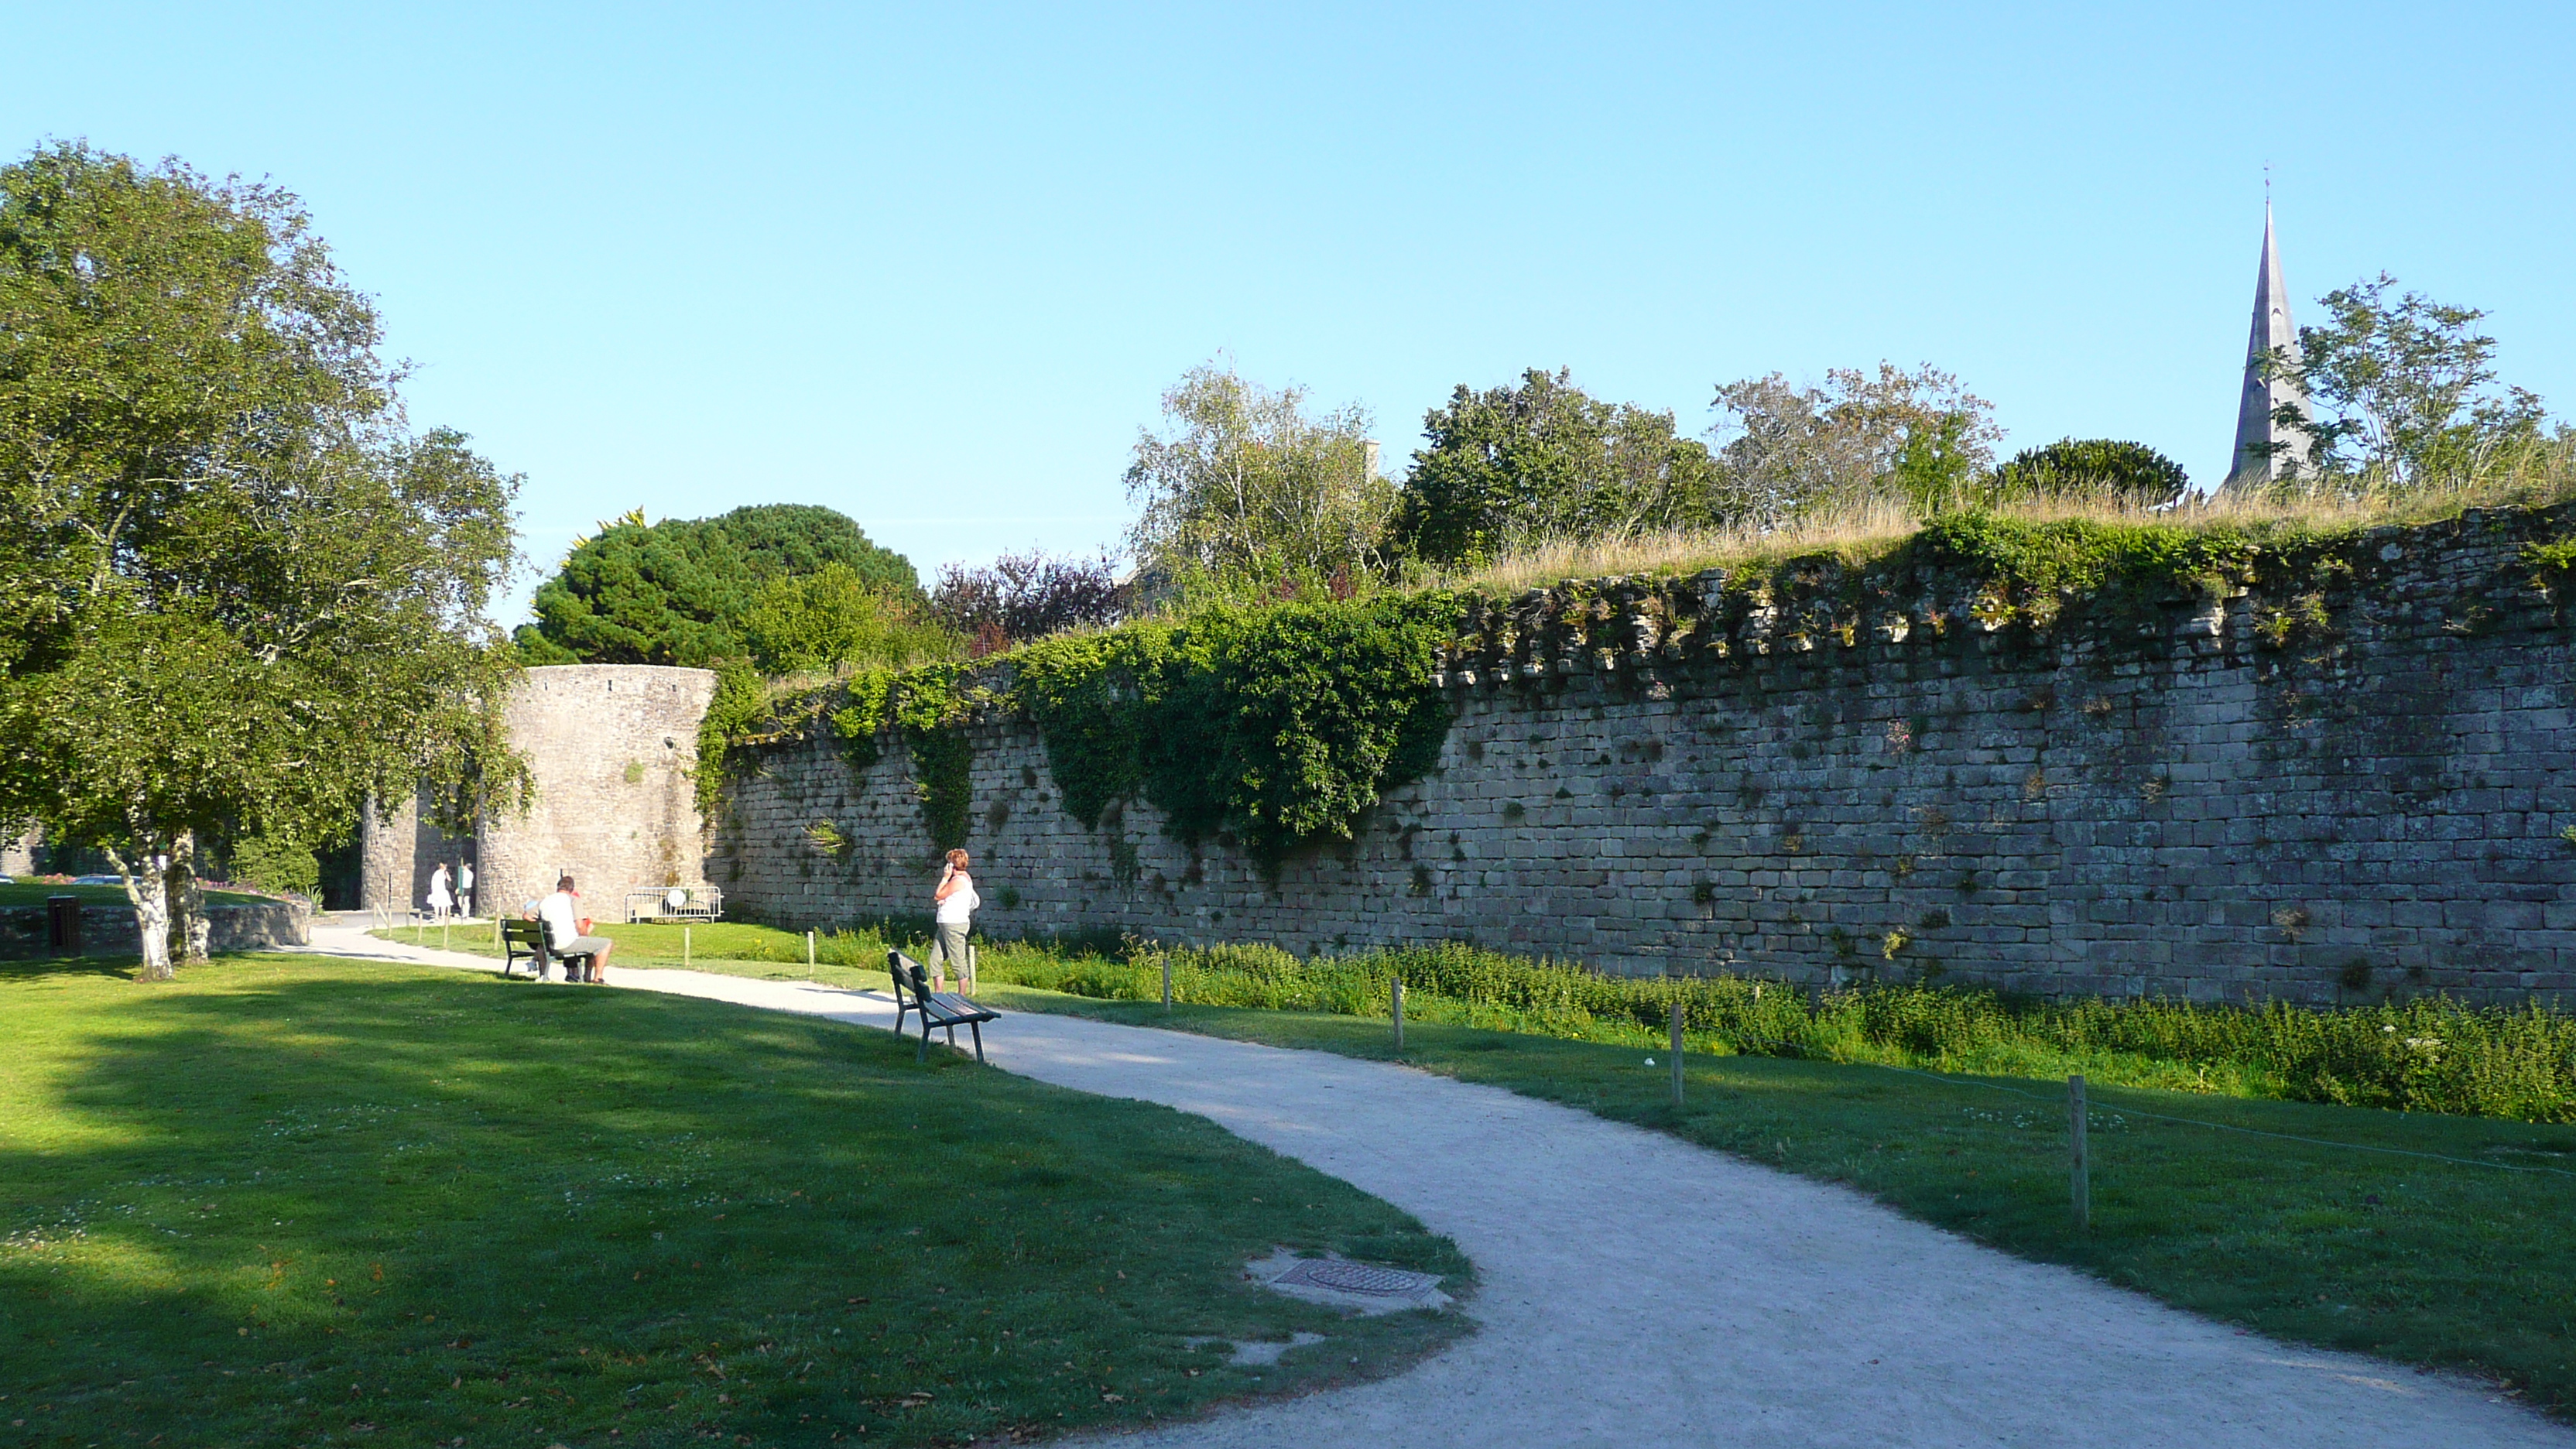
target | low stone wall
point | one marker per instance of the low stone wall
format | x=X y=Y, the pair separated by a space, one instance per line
x=107 y=929
x=2337 y=787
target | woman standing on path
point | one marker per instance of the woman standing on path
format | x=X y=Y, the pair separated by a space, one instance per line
x=441 y=901
x=956 y=900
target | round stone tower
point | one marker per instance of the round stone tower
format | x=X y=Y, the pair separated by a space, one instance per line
x=613 y=748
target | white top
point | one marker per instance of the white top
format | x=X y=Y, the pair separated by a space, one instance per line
x=960 y=906
x=439 y=899
x=562 y=921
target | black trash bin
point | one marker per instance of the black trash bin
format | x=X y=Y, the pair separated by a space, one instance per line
x=62 y=925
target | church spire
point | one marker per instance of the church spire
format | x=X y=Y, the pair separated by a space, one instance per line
x=2266 y=448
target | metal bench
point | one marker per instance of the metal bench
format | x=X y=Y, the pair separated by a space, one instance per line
x=938 y=1009
x=528 y=939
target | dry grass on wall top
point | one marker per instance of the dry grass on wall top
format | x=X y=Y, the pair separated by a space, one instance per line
x=1283 y=723
x=1857 y=531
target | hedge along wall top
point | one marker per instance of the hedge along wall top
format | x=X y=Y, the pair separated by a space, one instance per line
x=2071 y=757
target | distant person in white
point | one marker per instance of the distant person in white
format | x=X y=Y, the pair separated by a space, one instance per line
x=957 y=901
x=465 y=887
x=561 y=914
x=440 y=901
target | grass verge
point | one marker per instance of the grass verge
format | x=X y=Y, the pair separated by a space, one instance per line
x=295 y=1200
x=2427 y=1054
x=2463 y=1266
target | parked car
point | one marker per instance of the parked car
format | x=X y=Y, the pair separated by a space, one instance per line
x=98 y=880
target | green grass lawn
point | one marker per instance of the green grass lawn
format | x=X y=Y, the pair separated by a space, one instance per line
x=2461 y=1266
x=295 y=1200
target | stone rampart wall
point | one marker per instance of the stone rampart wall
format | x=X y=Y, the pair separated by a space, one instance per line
x=2352 y=787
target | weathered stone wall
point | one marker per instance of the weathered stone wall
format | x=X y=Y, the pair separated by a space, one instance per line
x=398 y=849
x=2333 y=792
x=612 y=747
x=107 y=928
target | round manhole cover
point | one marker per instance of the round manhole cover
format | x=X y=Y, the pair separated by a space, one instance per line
x=1360 y=1278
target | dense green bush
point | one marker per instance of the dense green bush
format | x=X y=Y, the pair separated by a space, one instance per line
x=274 y=864
x=676 y=592
x=2089 y=469
x=798 y=623
x=2427 y=1055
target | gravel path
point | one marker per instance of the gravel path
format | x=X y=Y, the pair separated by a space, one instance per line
x=1638 y=1290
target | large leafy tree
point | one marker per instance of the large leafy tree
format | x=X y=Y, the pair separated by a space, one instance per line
x=241 y=593
x=1246 y=482
x=676 y=592
x=1918 y=436
x=2404 y=390
x=1544 y=461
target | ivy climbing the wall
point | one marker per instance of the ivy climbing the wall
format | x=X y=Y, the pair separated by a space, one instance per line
x=1283 y=724
x=928 y=708
x=742 y=713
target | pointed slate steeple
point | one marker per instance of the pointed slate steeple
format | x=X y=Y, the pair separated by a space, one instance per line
x=2266 y=449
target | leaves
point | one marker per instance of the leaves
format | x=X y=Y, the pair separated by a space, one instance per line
x=244 y=594
x=2405 y=388
x=1247 y=482
x=1918 y=435
x=1544 y=462
x=677 y=592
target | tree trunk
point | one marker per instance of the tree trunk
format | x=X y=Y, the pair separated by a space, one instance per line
x=148 y=889
x=196 y=933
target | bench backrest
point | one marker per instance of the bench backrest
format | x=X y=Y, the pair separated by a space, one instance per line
x=531 y=934
x=905 y=972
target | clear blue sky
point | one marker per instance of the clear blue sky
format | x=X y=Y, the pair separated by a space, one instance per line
x=933 y=266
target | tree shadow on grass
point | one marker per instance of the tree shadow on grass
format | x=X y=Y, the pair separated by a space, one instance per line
x=289 y=1198
x=121 y=968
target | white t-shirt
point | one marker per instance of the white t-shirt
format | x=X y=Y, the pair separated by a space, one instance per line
x=563 y=924
x=960 y=906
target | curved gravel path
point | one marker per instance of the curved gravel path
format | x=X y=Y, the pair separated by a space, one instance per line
x=1638 y=1290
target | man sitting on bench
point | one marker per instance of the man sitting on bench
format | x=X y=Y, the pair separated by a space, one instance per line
x=560 y=914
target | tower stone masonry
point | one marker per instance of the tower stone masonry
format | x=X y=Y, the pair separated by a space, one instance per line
x=613 y=749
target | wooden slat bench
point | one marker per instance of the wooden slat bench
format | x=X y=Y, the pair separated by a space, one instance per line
x=528 y=939
x=938 y=1009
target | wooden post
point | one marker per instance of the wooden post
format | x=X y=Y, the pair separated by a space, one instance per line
x=1398 y=999
x=2078 y=1164
x=496 y=928
x=968 y=985
x=1167 y=981
x=1677 y=1053
x=809 y=955
x=684 y=948
x=443 y=927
